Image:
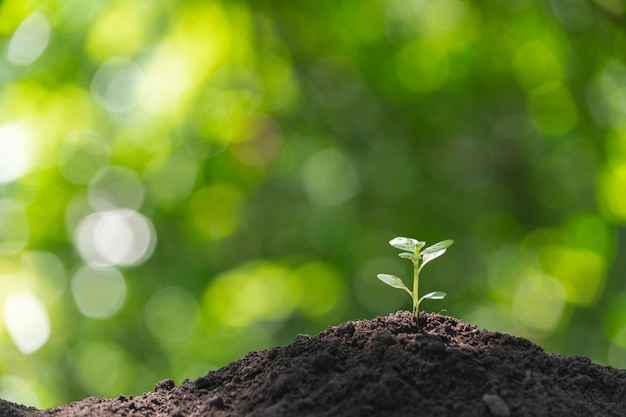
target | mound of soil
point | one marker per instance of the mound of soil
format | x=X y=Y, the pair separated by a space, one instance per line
x=383 y=367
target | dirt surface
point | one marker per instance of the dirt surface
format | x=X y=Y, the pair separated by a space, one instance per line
x=382 y=367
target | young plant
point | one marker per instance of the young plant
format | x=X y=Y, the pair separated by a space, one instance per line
x=413 y=251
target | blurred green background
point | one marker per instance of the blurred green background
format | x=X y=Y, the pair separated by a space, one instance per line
x=182 y=182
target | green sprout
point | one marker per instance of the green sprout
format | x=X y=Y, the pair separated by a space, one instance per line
x=413 y=251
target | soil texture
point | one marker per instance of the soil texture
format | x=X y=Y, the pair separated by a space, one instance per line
x=388 y=366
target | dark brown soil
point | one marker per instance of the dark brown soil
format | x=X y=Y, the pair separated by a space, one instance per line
x=382 y=367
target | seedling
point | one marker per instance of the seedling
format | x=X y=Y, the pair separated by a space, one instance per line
x=413 y=251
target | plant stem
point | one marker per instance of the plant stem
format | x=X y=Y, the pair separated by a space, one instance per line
x=416 y=273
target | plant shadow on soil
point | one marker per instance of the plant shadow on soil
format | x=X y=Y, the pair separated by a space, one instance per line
x=387 y=366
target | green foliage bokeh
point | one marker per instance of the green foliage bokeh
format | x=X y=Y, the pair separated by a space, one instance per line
x=182 y=182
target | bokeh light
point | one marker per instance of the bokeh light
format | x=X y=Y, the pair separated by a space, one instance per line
x=30 y=39
x=251 y=293
x=116 y=187
x=27 y=321
x=172 y=315
x=539 y=291
x=98 y=293
x=115 y=237
x=323 y=290
x=119 y=85
x=16 y=151
x=330 y=178
x=216 y=210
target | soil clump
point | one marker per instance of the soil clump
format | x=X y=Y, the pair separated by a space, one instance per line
x=388 y=366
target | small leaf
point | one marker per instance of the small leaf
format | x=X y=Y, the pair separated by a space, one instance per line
x=406 y=243
x=444 y=244
x=393 y=281
x=435 y=251
x=433 y=255
x=435 y=295
x=407 y=255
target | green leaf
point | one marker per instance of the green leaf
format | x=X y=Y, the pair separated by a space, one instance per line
x=407 y=255
x=406 y=243
x=435 y=295
x=435 y=251
x=393 y=281
x=444 y=244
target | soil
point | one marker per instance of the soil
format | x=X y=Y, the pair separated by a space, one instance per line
x=387 y=366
